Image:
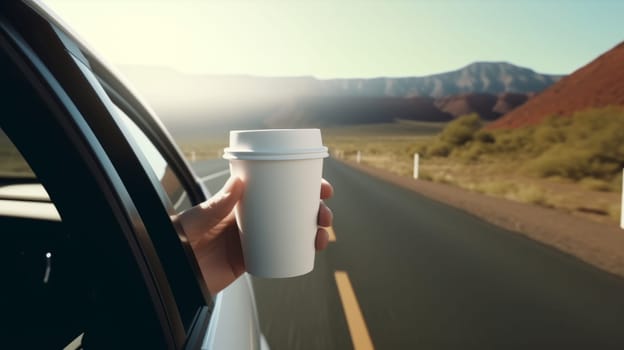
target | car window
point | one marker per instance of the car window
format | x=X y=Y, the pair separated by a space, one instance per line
x=57 y=283
x=42 y=279
x=169 y=181
x=153 y=160
x=12 y=164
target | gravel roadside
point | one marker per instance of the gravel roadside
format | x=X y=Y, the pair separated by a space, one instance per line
x=599 y=244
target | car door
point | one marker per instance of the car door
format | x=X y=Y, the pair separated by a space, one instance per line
x=155 y=181
x=46 y=121
x=102 y=284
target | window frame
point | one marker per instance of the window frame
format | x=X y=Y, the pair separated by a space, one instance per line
x=63 y=131
x=140 y=179
x=81 y=123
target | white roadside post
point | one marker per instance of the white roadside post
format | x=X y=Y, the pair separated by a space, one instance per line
x=622 y=213
x=416 y=160
x=193 y=158
x=358 y=157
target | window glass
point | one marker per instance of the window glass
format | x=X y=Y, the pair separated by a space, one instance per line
x=12 y=164
x=42 y=286
x=180 y=201
x=169 y=181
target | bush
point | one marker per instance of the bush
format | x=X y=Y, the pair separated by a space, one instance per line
x=588 y=144
x=616 y=183
x=461 y=130
x=561 y=161
x=484 y=137
x=454 y=135
x=595 y=184
x=514 y=141
x=548 y=135
x=531 y=194
x=497 y=188
x=423 y=175
x=471 y=152
x=439 y=149
x=614 y=210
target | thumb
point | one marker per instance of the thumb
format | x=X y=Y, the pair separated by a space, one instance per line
x=221 y=204
x=200 y=218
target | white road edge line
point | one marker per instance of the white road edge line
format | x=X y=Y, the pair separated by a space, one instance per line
x=215 y=175
x=202 y=179
x=180 y=200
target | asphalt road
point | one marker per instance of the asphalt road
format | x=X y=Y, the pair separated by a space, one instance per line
x=429 y=276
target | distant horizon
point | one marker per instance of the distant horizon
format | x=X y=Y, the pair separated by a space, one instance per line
x=163 y=67
x=345 y=39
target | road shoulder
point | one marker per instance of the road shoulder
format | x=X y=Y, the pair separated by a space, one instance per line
x=599 y=244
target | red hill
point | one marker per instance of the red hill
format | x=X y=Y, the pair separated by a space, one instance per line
x=597 y=84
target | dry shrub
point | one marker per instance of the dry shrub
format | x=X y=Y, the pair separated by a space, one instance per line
x=531 y=194
x=497 y=188
x=588 y=144
x=456 y=134
x=615 y=211
x=593 y=184
x=525 y=193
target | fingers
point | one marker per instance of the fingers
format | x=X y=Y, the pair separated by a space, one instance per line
x=326 y=189
x=235 y=253
x=221 y=204
x=325 y=215
x=206 y=215
x=322 y=239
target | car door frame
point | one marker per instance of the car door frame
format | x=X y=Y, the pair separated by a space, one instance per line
x=50 y=72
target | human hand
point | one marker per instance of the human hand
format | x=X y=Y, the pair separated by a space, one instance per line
x=214 y=236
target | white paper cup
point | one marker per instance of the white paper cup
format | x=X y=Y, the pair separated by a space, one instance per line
x=277 y=216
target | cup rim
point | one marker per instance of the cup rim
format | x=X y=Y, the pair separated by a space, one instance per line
x=312 y=153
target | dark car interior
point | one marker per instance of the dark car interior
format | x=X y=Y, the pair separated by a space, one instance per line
x=86 y=274
x=47 y=296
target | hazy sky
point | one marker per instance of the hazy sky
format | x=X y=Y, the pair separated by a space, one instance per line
x=346 y=38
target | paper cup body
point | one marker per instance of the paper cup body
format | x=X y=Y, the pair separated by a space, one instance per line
x=277 y=215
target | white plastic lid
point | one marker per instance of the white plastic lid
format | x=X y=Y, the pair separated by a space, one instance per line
x=275 y=144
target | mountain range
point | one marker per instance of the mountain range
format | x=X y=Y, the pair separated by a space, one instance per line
x=479 y=77
x=486 y=77
x=189 y=103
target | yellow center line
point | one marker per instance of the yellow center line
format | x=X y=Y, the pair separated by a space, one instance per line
x=357 y=327
x=332 y=234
